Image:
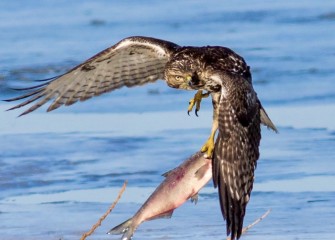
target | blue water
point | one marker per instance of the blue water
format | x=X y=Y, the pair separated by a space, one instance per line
x=60 y=171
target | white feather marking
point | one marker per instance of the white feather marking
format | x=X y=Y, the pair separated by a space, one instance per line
x=217 y=79
x=247 y=198
x=130 y=41
x=237 y=195
x=233 y=58
x=224 y=92
x=231 y=190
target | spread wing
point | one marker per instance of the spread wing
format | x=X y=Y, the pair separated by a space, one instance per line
x=236 y=149
x=131 y=62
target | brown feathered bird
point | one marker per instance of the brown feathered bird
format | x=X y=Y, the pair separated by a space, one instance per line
x=237 y=112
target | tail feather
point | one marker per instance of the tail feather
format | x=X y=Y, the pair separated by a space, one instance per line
x=265 y=119
x=126 y=228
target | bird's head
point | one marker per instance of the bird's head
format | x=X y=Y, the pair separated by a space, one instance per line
x=183 y=75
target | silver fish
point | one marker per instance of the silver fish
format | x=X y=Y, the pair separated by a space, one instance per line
x=181 y=183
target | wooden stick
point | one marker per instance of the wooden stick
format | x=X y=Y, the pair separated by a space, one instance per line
x=244 y=230
x=95 y=226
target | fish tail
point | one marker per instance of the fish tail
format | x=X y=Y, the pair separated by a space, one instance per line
x=126 y=228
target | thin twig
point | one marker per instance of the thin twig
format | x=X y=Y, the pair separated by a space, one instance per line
x=95 y=226
x=257 y=221
x=244 y=230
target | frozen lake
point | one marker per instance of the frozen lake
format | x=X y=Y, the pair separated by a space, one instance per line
x=60 y=171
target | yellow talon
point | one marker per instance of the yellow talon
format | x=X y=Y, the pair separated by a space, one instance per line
x=196 y=101
x=208 y=147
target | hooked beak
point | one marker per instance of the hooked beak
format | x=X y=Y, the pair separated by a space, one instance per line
x=189 y=81
x=194 y=82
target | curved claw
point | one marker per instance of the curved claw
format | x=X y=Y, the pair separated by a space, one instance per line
x=195 y=101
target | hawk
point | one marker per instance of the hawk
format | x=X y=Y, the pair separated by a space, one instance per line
x=237 y=112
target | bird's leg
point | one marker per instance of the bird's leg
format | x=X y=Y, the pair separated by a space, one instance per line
x=196 y=101
x=208 y=147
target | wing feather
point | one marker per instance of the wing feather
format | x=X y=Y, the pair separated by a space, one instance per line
x=132 y=62
x=23 y=96
x=236 y=150
x=35 y=106
x=31 y=99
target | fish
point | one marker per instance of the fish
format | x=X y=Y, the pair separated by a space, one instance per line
x=180 y=184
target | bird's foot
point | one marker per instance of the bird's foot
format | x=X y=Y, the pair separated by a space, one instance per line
x=208 y=148
x=196 y=101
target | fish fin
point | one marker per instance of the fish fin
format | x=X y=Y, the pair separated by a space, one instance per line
x=200 y=173
x=163 y=215
x=265 y=120
x=126 y=228
x=168 y=172
x=195 y=198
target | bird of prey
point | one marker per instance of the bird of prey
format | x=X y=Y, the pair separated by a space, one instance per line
x=237 y=111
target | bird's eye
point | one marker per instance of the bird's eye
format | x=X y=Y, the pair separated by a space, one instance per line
x=179 y=78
